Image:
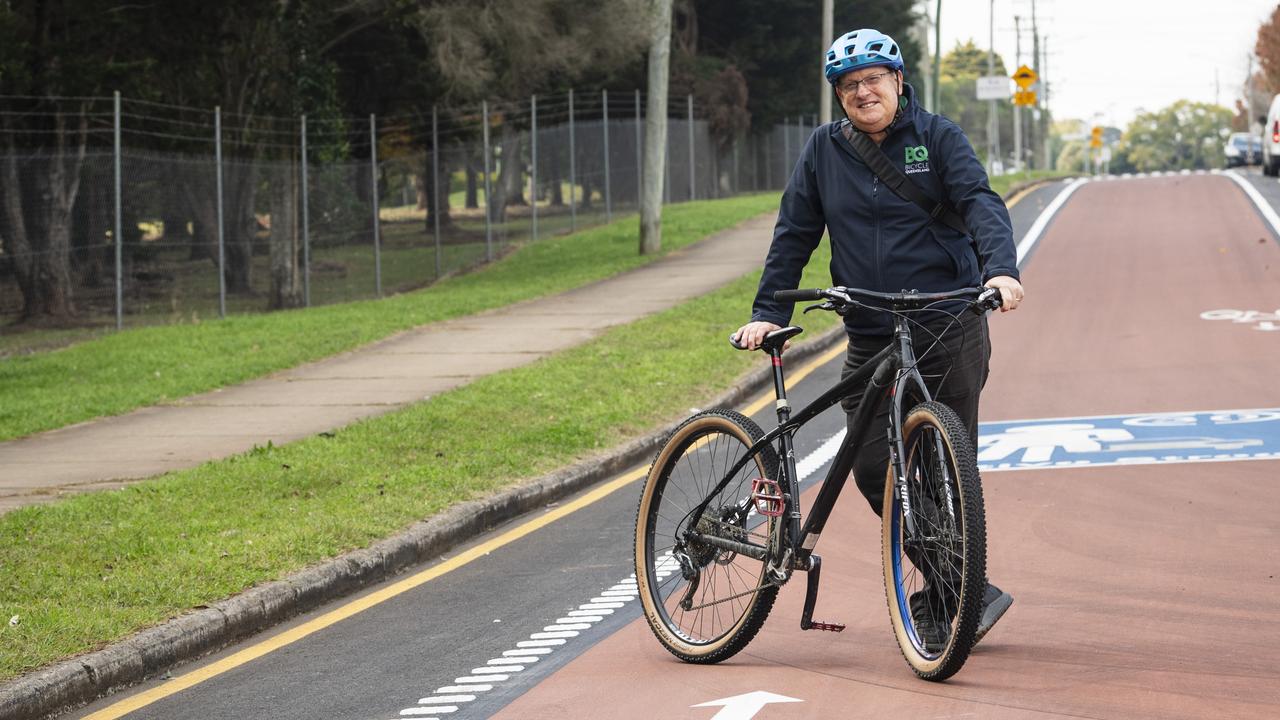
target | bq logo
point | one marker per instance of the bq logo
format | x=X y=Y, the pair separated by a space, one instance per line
x=917 y=154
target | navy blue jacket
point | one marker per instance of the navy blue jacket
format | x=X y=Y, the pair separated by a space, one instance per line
x=880 y=241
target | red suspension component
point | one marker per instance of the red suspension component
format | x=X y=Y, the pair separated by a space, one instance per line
x=767 y=496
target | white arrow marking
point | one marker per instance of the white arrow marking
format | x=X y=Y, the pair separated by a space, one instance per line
x=745 y=707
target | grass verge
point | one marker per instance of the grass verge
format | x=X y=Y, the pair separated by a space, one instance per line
x=94 y=568
x=145 y=366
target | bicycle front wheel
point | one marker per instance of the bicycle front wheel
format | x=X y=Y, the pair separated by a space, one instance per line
x=704 y=602
x=935 y=548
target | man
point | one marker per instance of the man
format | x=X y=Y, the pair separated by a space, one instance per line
x=883 y=242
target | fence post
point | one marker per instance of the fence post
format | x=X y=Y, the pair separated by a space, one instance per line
x=693 y=166
x=786 y=144
x=222 y=242
x=119 y=229
x=533 y=163
x=377 y=230
x=639 y=150
x=488 y=192
x=608 y=200
x=435 y=184
x=306 y=229
x=573 y=172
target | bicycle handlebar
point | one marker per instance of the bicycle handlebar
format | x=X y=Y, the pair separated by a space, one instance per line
x=981 y=298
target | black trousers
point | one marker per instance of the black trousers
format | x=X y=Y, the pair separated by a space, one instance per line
x=953 y=357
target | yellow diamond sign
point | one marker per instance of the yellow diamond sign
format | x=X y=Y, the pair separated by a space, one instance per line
x=1025 y=77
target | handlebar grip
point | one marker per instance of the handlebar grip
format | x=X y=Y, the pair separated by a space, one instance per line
x=798 y=295
x=736 y=345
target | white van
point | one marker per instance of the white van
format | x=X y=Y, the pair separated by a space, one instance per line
x=1271 y=140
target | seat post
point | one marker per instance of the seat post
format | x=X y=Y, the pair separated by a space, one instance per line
x=779 y=385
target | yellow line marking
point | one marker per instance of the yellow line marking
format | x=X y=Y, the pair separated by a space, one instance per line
x=1020 y=195
x=212 y=670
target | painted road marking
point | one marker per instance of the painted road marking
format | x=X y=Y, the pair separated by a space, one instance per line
x=1266 y=321
x=1037 y=228
x=1158 y=438
x=1259 y=202
x=745 y=706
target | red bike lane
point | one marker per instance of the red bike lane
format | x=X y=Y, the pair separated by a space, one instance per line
x=1142 y=591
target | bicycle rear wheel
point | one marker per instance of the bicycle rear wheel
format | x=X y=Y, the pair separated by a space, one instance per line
x=935 y=550
x=704 y=603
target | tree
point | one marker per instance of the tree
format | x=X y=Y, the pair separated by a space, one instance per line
x=960 y=70
x=1267 y=48
x=48 y=51
x=1183 y=136
x=655 y=128
x=510 y=49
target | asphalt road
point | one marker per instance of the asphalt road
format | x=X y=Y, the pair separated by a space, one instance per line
x=525 y=598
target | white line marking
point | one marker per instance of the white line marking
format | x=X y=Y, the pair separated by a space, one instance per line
x=523 y=659
x=464 y=688
x=550 y=635
x=529 y=651
x=1033 y=235
x=608 y=605
x=442 y=710
x=581 y=618
x=590 y=613
x=568 y=626
x=475 y=679
x=496 y=670
x=1260 y=202
x=539 y=643
x=446 y=699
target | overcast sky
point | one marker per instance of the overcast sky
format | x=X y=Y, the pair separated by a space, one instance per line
x=1116 y=56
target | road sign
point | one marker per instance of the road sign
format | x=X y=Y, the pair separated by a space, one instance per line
x=1025 y=77
x=1025 y=98
x=993 y=87
x=1095 y=141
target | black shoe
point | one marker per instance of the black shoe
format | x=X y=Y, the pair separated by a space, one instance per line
x=995 y=602
x=931 y=629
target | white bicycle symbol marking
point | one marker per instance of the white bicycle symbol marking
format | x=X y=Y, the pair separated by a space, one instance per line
x=1267 y=321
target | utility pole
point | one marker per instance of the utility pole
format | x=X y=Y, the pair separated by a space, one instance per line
x=1044 y=85
x=993 y=118
x=1037 y=116
x=926 y=64
x=937 y=60
x=1017 y=114
x=824 y=91
x=1248 y=96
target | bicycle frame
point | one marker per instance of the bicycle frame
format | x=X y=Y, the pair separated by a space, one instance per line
x=892 y=371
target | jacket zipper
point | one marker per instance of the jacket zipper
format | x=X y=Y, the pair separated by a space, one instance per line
x=875 y=221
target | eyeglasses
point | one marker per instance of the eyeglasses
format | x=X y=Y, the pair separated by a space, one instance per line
x=871 y=81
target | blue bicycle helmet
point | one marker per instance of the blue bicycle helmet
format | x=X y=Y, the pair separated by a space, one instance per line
x=860 y=49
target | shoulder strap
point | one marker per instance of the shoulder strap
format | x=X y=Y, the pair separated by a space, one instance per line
x=898 y=182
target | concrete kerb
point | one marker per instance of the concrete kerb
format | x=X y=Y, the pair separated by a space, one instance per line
x=152 y=652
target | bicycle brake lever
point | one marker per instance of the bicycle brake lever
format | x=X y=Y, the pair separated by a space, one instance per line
x=826 y=305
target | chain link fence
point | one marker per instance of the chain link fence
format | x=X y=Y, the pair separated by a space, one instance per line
x=121 y=212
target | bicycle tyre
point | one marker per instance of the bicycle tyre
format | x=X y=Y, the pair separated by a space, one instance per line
x=687 y=467
x=935 y=628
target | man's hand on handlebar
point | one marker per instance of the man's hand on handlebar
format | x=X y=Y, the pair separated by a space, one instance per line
x=752 y=334
x=1011 y=291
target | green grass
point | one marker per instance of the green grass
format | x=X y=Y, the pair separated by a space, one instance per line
x=145 y=366
x=94 y=568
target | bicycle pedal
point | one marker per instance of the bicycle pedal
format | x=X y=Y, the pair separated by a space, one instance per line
x=767 y=496
x=829 y=627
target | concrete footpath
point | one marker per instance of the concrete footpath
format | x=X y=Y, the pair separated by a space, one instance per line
x=375 y=379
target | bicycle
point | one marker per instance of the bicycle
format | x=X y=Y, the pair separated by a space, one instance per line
x=718 y=527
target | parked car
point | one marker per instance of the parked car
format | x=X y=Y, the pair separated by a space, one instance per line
x=1271 y=139
x=1243 y=149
